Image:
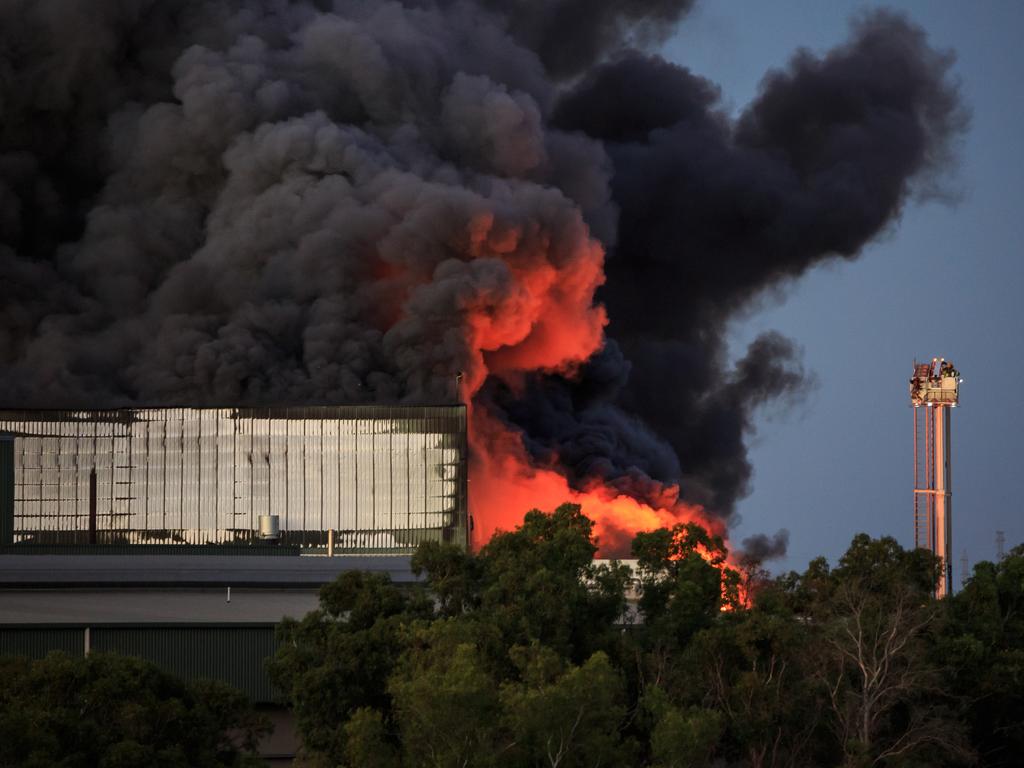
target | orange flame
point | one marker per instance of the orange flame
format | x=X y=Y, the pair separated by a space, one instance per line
x=505 y=485
x=544 y=319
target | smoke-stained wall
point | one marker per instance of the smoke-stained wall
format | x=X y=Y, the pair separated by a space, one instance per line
x=269 y=202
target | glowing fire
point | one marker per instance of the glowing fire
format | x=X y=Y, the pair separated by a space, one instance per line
x=504 y=485
x=543 y=319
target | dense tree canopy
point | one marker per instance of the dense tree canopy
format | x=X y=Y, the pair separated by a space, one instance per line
x=981 y=647
x=531 y=654
x=113 y=711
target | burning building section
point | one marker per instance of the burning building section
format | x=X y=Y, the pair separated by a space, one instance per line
x=263 y=204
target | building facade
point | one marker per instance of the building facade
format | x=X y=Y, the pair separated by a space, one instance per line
x=370 y=478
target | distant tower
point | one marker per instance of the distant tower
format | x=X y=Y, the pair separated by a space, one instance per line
x=1000 y=545
x=935 y=385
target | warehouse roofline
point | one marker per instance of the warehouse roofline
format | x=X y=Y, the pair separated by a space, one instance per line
x=122 y=414
x=191 y=571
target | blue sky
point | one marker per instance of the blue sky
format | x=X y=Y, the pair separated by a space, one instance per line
x=946 y=280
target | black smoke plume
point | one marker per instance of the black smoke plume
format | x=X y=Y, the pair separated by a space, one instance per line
x=713 y=211
x=253 y=201
x=761 y=547
x=570 y=35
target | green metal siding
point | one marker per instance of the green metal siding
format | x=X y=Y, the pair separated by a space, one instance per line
x=235 y=654
x=36 y=642
x=6 y=489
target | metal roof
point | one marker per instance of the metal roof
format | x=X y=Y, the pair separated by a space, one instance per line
x=154 y=605
x=185 y=570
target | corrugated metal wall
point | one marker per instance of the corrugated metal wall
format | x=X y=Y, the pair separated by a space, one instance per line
x=384 y=478
x=229 y=550
x=6 y=490
x=35 y=642
x=233 y=653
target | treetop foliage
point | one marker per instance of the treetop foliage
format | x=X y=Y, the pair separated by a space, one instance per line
x=112 y=711
x=529 y=653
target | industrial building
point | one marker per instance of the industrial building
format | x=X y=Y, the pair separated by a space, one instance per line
x=381 y=478
x=200 y=613
x=184 y=535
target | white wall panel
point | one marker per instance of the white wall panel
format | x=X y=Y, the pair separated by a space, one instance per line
x=381 y=477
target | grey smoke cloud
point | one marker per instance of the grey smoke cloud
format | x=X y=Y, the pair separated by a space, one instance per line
x=256 y=201
x=265 y=205
x=570 y=35
x=761 y=547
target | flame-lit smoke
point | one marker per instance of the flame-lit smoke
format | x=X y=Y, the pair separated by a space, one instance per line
x=546 y=321
x=343 y=201
x=505 y=483
x=543 y=320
